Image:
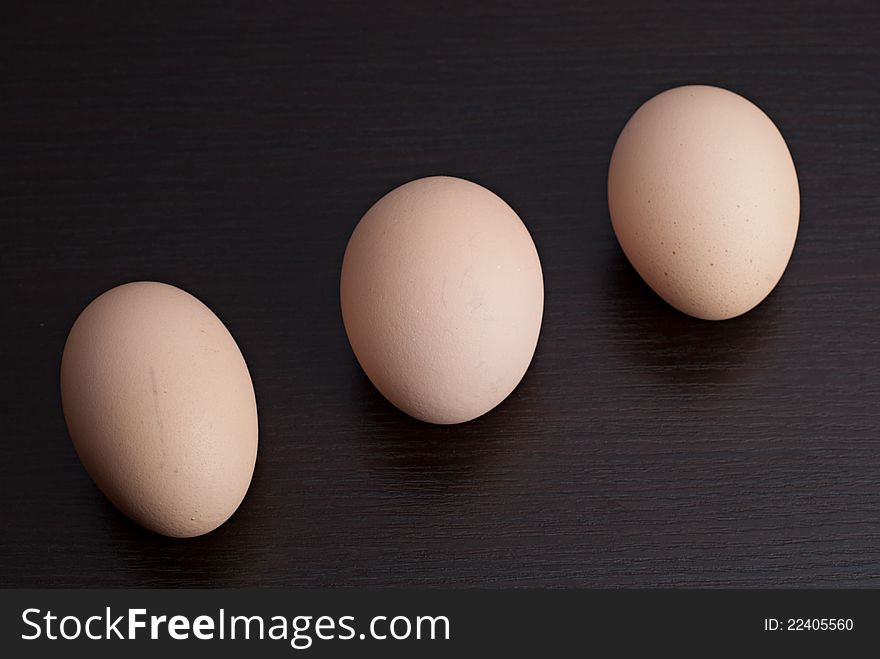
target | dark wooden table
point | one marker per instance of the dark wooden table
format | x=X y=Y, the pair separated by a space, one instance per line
x=231 y=150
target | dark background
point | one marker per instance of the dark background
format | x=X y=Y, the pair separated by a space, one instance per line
x=230 y=150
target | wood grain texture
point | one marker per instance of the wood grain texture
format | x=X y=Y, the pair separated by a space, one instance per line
x=230 y=150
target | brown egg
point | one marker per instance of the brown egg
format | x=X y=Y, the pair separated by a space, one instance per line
x=160 y=407
x=442 y=297
x=704 y=200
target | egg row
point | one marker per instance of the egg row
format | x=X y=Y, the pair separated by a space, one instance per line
x=442 y=298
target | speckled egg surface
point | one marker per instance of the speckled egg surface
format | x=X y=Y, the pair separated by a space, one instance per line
x=442 y=298
x=160 y=407
x=704 y=200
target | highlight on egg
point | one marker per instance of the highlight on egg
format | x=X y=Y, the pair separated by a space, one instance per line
x=442 y=298
x=160 y=407
x=704 y=200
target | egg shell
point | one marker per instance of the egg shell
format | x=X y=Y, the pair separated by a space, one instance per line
x=442 y=298
x=160 y=407
x=704 y=200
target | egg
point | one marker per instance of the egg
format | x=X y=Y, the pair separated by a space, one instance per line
x=160 y=406
x=704 y=200
x=442 y=297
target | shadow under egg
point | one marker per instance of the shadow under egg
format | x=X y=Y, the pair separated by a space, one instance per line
x=214 y=559
x=674 y=347
x=421 y=453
